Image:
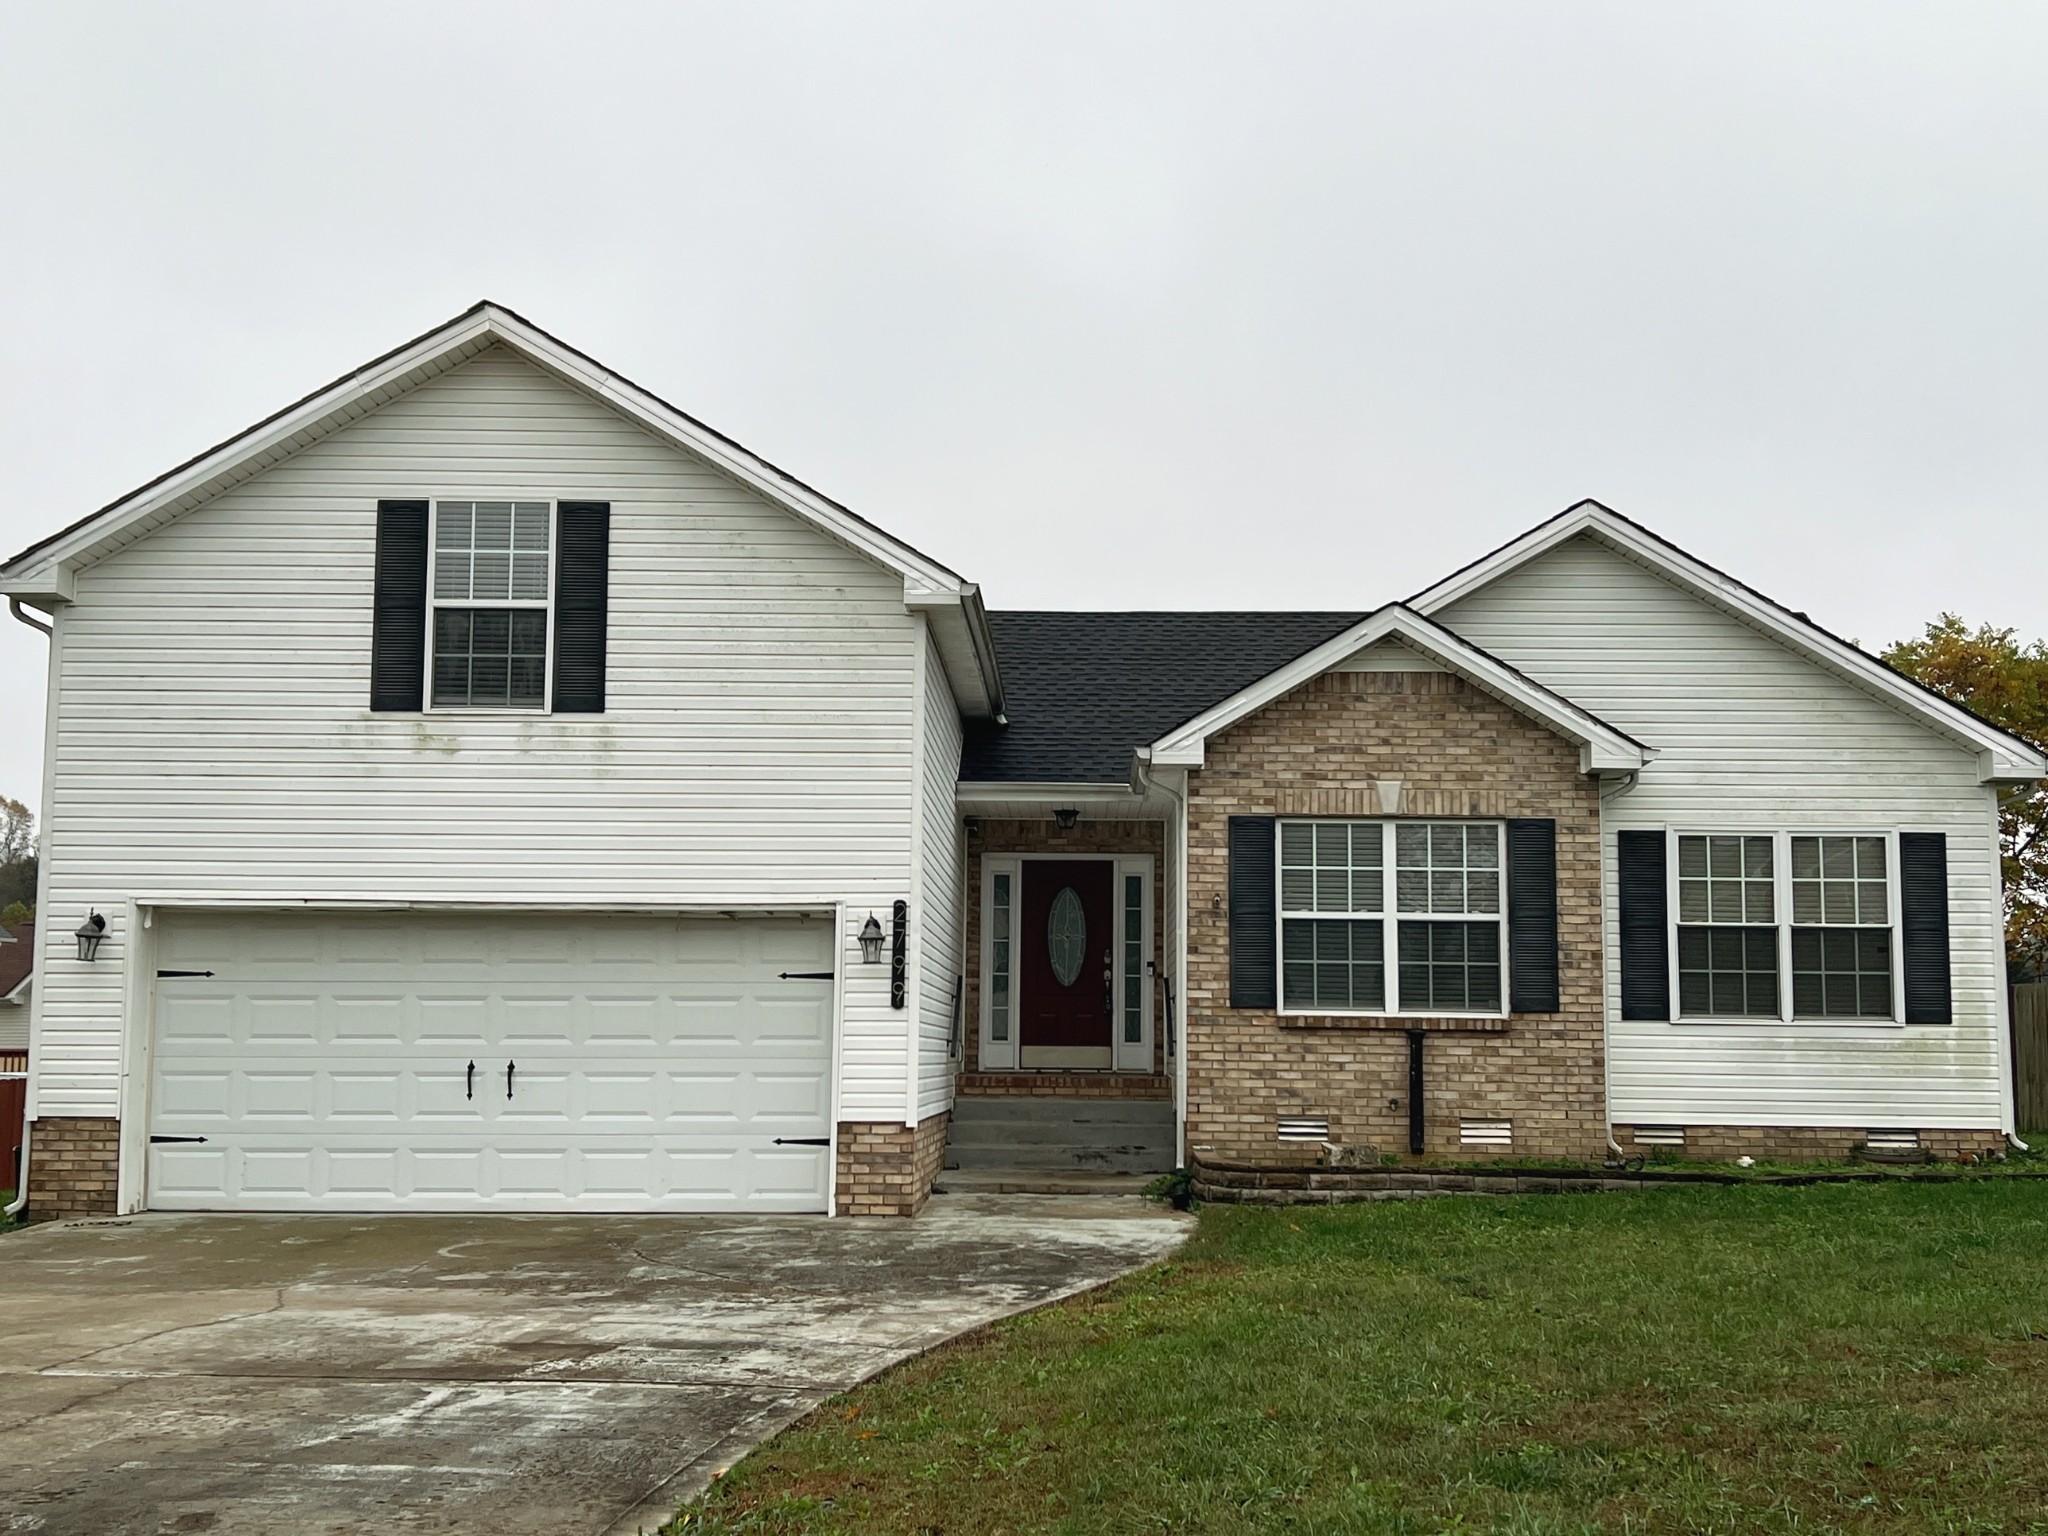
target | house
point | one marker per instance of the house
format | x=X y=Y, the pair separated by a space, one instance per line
x=17 y=967
x=503 y=792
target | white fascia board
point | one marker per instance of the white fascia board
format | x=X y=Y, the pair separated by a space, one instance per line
x=466 y=334
x=969 y=792
x=967 y=652
x=2001 y=758
x=1603 y=749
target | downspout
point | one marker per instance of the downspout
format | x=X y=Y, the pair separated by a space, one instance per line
x=14 y=1207
x=1141 y=778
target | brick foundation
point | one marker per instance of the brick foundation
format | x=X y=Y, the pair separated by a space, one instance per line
x=74 y=1168
x=1320 y=751
x=1800 y=1143
x=887 y=1168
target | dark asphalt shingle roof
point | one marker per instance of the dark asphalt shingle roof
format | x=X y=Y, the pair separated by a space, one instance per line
x=1082 y=689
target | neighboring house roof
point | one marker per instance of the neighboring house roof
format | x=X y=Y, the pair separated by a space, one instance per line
x=1602 y=747
x=17 y=960
x=1086 y=688
x=2002 y=757
x=44 y=572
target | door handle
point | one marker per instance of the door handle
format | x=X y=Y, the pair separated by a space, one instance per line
x=509 y=1069
x=1108 y=984
x=469 y=1083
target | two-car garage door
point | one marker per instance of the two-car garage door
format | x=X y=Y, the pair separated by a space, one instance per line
x=439 y=1061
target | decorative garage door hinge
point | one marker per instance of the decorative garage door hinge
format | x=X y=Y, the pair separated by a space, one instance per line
x=803 y=1141
x=803 y=976
x=162 y=974
x=157 y=1141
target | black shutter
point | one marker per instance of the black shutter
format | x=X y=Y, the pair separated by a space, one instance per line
x=1645 y=938
x=398 y=619
x=582 y=576
x=1532 y=915
x=1254 y=969
x=1923 y=923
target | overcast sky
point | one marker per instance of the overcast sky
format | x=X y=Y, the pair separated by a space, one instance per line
x=1128 y=305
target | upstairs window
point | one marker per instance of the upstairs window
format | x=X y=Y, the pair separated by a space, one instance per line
x=491 y=610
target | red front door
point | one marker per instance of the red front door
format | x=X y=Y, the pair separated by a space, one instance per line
x=1066 y=948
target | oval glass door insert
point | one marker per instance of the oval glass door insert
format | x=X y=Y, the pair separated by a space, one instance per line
x=1066 y=936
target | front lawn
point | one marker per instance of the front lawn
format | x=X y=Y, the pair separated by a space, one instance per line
x=1865 y=1358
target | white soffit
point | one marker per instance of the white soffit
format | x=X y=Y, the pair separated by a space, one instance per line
x=2002 y=758
x=1602 y=748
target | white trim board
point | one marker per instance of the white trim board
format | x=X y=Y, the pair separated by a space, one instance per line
x=1602 y=748
x=2002 y=758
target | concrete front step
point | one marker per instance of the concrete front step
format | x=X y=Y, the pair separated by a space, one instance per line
x=1025 y=1182
x=1041 y=1136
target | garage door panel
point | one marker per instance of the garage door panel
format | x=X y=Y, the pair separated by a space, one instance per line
x=327 y=1063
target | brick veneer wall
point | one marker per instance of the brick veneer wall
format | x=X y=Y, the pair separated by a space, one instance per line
x=1320 y=751
x=887 y=1168
x=1801 y=1143
x=74 y=1168
x=998 y=837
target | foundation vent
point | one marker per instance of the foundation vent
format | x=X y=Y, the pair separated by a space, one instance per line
x=1893 y=1141
x=1659 y=1135
x=1304 y=1128
x=1486 y=1133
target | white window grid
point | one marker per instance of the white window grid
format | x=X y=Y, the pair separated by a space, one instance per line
x=519 y=576
x=1381 y=902
x=1782 y=908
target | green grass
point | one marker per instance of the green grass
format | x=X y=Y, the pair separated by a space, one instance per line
x=1855 y=1358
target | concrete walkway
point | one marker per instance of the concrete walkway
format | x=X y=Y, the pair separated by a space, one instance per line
x=559 y=1376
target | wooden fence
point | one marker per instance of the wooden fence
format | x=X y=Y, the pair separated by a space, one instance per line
x=2030 y=1056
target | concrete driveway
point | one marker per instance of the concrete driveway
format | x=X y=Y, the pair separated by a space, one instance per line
x=574 y=1376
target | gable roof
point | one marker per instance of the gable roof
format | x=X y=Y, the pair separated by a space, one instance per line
x=1085 y=688
x=17 y=958
x=1602 y=747
x=43 y=572
x=2002 y=757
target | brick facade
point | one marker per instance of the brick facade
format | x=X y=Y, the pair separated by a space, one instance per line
x=887 y=1168
x=990 y=836
x=1802 y=1143
x=74 y=1168
x=1322 y=750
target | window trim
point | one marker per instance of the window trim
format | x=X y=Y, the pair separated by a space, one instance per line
x=1390 y=918
x=1781 y=908
x=994 y=1055
x=547 y=605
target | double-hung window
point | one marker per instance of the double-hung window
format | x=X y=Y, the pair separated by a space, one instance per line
x=1394 y=917
x=491 y=612
x=1739 y=956
x=1841 y=928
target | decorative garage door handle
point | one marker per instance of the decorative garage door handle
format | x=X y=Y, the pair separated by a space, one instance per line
x=509 y=1069
x=803 y=1141
x=469 y=1083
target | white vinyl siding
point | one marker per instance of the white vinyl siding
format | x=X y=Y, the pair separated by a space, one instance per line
x=213 y=739
x=940 y=890
x=1747 y=735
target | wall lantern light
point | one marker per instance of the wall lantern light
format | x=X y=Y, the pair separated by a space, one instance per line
x=1066 y=816
x=89 y=934
x=870 y=941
